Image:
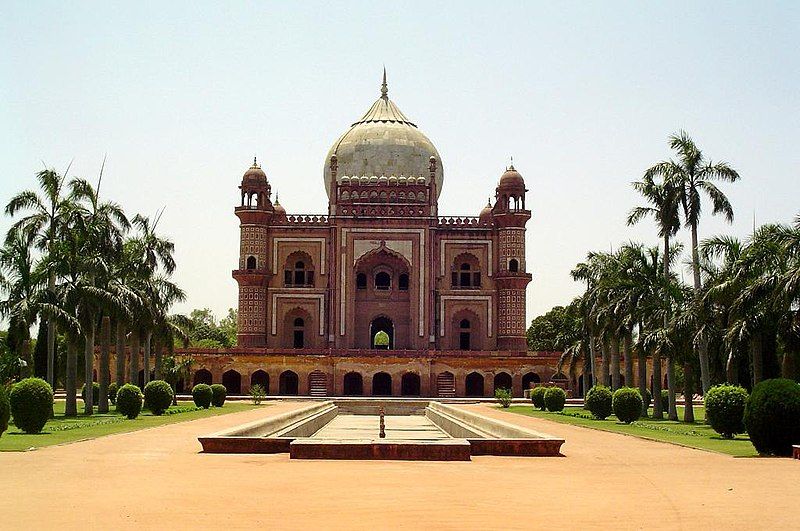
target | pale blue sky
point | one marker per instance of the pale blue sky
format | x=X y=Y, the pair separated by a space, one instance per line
x=180 y=96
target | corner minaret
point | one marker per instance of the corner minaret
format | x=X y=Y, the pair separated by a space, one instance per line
x=255 y=216
x=510 y=216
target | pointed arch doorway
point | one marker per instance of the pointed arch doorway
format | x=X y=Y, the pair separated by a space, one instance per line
x=379 y=329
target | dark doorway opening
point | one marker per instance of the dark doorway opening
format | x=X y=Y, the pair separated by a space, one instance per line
x=409 y=385
x=353 y=384
x=474 y=384
x=232 y=381
x=260 y=378
x=382 y=384
x=288 y=383
x=502 y=381
x=202 y=376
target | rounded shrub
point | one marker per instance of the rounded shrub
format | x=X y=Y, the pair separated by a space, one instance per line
x=31 y=403
x=129 y=401
x=725 y=409
x=5 y=409
x=157 y=396
x=218 y=395
x=772 y=416
x=599 y=401
x=554 y=399
x=627 y=404
x=112 y=392
x=202 y=395
x=95 y=393
x=537 y=396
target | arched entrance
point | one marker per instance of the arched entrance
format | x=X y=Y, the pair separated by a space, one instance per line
x=378 y=325
x=382 y=384
x=260 y=378
x=446 y=385
x=232 y=381
x=353 y=384
x=529 y=379
x=318 y=383
x=288 y=383
x=502 y=380
x=409 y=385
x=474 y=384
x=202 y=376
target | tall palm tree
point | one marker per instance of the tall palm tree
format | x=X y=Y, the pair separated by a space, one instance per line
x=693 y=177
x=45 y=220
x=22 y=280
x=663 y=208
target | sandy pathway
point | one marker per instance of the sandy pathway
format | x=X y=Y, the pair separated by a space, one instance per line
x=157 y=479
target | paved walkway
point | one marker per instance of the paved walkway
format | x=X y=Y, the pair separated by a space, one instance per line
x=397 y=427
x=158 y=479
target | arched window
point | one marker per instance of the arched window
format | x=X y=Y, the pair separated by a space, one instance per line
x=467 y=276
x=464 y=334
x=251 y=262
x=383 y=281
x=402 y=282
x=298 y=274
x=298 y=333
x=361 y=281
x=513 y=265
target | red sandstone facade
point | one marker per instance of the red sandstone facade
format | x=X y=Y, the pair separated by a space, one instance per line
x=320 y=295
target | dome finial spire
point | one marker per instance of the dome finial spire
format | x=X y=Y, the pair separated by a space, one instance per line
x=384 y=88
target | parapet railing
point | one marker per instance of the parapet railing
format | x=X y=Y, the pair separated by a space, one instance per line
x=307 y=219
x=461 y=221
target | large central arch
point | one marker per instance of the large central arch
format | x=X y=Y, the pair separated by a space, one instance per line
x=381 y=323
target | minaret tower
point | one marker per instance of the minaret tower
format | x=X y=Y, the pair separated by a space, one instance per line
x=510 y=216
x=255 y=215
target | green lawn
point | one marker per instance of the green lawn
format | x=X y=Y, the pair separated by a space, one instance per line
x=61 y=430
x=697 y=435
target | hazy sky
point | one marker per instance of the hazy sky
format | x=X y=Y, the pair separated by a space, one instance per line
x=180 y=96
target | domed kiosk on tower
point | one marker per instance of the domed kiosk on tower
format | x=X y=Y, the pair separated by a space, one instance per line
x=382 y=295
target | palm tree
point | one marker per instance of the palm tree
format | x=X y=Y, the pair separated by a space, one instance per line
x=45 y=220
x=693 y=176
x=663 y=199
x=22 y=281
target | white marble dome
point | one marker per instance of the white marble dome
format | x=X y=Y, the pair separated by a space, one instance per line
x=384 y=142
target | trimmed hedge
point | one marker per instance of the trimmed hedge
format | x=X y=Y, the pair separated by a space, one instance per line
x=503 y=396
x=5 y=409
x=627 y=404
x=725 y=409
x=112 y=392
x=202 y=395
x=772 y=416
x=158 y=396
x=31 y=404
x=218 y=395
x=95 y=393
x=599 y=401
x=129 y=401
x=537 y=396
x=554 y=399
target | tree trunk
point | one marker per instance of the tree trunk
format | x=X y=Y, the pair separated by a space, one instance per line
x=731 y=370
x=133 y=376
x=604 y=362
x=626 y=351
x=643 y=381
x=146 y=365
x=592 y=361
x=119 y=352
x=787 y=365
x=658 y=407
x=51 y=336
x=688 y=392
x=25 y=354
x=88 y=356
x=157 y=347
x=71 y=381
x=702 y=350
x=615 y=363
x=105 y=346
x=758 y=359
x=672 y=407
